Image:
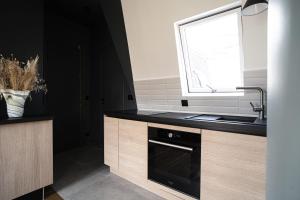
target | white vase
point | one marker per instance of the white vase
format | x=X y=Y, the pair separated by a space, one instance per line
x=15 y=101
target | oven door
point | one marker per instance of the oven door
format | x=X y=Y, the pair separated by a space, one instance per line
x=175 y=166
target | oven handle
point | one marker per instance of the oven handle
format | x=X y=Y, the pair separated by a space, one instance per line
x=171 y=145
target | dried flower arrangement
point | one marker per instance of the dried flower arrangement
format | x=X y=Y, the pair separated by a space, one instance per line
x=16 y=75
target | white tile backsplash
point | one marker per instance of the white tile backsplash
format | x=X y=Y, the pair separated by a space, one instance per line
x=165 y=95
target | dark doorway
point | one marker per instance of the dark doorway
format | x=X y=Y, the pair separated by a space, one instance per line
x=85 y=78
x=83 y=72
x=67 y=70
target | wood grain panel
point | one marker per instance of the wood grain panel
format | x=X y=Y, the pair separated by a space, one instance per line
x=111 y=142
x=166 y=192
x=26 y=158
x=176 y=128
x=233 y=166
x=133 y=150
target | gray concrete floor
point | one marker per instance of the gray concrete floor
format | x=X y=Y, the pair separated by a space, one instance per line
x=80 y=174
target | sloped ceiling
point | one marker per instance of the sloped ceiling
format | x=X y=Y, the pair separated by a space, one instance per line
x=90 y=12
x=112 y=10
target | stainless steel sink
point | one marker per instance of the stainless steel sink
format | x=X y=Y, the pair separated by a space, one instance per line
x=237 y=119
x=207 y=117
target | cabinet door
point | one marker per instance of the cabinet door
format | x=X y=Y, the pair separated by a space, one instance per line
x=26 y=158
x=111 y=142
x=233 y=166
x=133 y=150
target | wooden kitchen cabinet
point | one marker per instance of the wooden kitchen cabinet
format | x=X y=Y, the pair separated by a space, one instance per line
x=111 y=142
x=133 y=150
x=233 y=166
x=26 y=158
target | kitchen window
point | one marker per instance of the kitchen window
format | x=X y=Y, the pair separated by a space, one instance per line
x=210 y=52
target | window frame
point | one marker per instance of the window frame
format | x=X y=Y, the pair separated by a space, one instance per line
x=207 y=16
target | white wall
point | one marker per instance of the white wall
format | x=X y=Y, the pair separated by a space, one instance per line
x=151 y=38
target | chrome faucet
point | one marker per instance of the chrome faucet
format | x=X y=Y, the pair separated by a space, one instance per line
x=261 y=108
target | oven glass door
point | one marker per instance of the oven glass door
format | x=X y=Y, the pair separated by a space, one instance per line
x=175 y=167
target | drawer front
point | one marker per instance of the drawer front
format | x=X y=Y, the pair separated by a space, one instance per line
x=133 y=150
x=111 y=142
x=26 y=158
x=233 y=166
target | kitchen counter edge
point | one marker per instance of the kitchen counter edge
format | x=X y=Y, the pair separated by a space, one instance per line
x=246 y=129
x=25 y=119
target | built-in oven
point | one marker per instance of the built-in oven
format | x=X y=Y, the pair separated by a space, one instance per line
x=174 y=159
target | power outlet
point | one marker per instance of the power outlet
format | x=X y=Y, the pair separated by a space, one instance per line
x=184 y=103
x=130 y=97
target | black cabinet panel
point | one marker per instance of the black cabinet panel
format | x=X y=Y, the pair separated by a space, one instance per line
x=35 y=195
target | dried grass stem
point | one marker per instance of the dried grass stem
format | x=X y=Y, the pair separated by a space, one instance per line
x=16 y=75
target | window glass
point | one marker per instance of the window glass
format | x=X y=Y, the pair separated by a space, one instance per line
x=212 y=60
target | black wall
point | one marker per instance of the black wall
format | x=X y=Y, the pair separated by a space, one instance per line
x=28 y=29
x=113 y=13
x=107 y=79
x=109 y=87
x=67 y=51
x=22 y=30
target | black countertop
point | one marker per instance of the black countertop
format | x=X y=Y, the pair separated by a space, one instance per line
x=178 y=119
x=25 y=119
